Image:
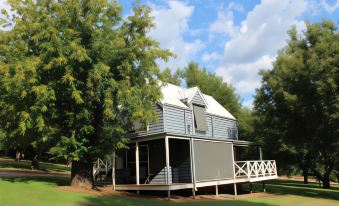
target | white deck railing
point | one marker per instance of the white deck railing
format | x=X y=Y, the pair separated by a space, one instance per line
x=101 y=166
x=255 y=169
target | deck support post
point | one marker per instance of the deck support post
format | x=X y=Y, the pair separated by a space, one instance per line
x=260 y=153
x=251 y=190
x=191 y=142
x=167 y=166
x=113 y=170
x=137 y=163
x=235 y=189
x=216 y=191
x=193 y=193
x=263 y=186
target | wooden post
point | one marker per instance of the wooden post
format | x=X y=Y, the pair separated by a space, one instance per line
x=167 y=166
x=235 y=189
x=216 y=191
x=251 y=190
x=192 y=167
x=233 y=168
x=137 y=163
x=263 y=186
x=113 y=170
x=260 y=153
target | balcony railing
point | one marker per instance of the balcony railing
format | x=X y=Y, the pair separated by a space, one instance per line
x=255 y=169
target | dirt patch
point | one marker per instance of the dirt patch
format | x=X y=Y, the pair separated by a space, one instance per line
x=108 y=191
x=99 y=191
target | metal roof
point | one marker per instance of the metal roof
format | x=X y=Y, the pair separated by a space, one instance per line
x=175 y=96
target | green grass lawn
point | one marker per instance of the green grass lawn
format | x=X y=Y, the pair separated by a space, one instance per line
x=42 y=191
x=10 y=164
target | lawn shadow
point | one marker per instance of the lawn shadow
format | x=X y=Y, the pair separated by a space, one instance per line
x=58 y=181
x=294 y=187
x=24 y=164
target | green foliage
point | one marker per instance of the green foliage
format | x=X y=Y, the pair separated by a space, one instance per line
x=168 y=77
x=72 y=71
x=298 y=103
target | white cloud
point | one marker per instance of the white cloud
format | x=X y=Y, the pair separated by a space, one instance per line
x=206 y=57
x=224 y=24
x=248 y=103
x=171 y=24
x=257 y=40
x=244 y=76
x=328 y=7
x=235 y=6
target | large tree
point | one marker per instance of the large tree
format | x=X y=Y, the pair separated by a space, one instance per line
x=298 y=102
x=75 y=73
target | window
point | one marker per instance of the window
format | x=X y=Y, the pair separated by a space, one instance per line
x=232 y=133
x=200 y=121
x=139 y=126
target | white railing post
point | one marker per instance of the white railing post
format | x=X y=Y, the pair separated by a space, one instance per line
x=248 y=169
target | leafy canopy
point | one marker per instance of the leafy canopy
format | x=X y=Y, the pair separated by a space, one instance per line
x=75 y=74
x=298 y=103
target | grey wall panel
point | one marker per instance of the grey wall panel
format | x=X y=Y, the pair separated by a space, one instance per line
x=174 y=120
x=224 y=128
x=197 y=99
x=213 y=160
x=154 y=128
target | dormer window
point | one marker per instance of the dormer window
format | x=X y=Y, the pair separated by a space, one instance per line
x=200 y=121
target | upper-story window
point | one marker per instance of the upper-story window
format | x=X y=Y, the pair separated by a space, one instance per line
x=200 y=121
x=139 y=126
x=232 y=133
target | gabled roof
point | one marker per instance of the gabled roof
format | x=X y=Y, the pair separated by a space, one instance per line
x=175 y=95
x=190 y=93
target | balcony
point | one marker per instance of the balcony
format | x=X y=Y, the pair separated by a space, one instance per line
x=255 y=170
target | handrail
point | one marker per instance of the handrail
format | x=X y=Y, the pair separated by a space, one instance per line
x=255 y=168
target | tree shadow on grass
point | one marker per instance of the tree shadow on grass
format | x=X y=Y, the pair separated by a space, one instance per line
x=294 y=187
x=126 y=201
x=58 y=181
x=27 y=165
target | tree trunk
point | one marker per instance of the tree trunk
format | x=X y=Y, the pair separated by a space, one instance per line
x=35 y=163
x=17 y=156
x=326 y=182
x=305 y=174
x=81 y=174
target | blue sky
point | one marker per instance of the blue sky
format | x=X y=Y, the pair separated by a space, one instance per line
x=234 y=39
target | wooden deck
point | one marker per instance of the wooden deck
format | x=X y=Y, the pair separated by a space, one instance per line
x=164 y=187
x=178 y=186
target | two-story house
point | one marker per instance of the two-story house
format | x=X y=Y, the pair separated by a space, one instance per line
x=192 y=145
